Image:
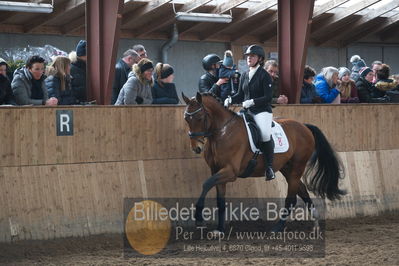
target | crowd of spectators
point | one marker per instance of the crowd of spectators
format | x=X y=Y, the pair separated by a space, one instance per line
x=139 y=81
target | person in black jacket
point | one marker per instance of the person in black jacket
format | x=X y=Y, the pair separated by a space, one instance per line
x=78 y=71
x=58 y=81
x=28 y=84
x=209 y=82
x=308 y=92
x=255 y=93
x=6 y=95
x=366 y=89
x=122 y=70
x=164 y=90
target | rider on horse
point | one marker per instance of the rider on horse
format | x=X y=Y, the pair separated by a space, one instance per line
x=255 y=93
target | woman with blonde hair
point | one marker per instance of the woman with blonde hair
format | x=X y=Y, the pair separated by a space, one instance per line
x=58 y=81
x=326 y=83
x=164 y=90
x=137 y=89
x=347 y=86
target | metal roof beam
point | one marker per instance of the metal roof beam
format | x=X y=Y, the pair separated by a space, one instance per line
x=220 y=9
x=170 y=19
x=150 y=8
x=347 y=12
x=327 y=7
x=355 y=26
x=242 y=18
x=66 y=7
x=352 y=37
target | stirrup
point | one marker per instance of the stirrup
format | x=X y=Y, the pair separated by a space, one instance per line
x=269 y=174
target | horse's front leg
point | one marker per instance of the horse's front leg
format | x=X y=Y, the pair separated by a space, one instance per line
x=221 y=177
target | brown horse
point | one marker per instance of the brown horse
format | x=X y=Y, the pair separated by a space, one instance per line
x=227 y=153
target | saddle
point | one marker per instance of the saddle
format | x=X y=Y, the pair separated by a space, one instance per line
x=280 y=139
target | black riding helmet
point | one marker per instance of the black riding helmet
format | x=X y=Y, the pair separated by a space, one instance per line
x=210 y=60
x=255 y=49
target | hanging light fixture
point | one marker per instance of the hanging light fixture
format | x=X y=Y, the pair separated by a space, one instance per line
x=202 y=17
x=26 y=7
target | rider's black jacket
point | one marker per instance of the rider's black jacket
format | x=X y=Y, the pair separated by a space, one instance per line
x=259 y=89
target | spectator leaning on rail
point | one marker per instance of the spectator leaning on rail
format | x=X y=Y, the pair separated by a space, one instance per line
x=137 y=89
x=365 y=87
x=122 y=70
x=164 y=90
x=209 y=82
x=58 y=81
x=384 y=83
x=357 y=63
x=28 y=84
x=271 y=67
x=376 y=65
x=78 y=71
x=326 y=83
x=308 y=92
x=6 y=95
x=347 y=86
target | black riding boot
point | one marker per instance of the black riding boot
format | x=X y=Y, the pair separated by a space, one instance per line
x=267 y=149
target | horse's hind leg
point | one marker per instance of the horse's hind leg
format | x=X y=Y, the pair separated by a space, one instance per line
x=304 y=194
x=290 y=202
x=293 y=173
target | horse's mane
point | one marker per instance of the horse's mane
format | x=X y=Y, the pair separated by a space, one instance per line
x=218 y=100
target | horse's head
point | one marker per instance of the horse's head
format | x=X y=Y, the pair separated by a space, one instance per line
x=198 y=121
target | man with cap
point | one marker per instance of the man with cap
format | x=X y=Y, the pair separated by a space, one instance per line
x=78 y=71
x=255 y=93
x=209 y=82
x=365 y=87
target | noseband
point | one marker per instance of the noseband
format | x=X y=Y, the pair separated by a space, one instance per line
x=203 y=133
x=200 y=133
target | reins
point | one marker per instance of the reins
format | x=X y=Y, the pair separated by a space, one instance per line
x=205 y=133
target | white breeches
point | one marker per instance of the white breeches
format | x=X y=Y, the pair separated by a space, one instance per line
x=264 y=122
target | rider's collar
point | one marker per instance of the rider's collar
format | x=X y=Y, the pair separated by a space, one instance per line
x=255 y=68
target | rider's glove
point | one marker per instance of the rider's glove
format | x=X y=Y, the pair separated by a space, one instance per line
x=227 y=102
x=248 y=103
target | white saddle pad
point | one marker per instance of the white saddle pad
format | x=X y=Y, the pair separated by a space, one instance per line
x=281 y=144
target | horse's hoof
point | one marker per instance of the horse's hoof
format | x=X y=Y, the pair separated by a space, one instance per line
x=216 y=232
x=316 y=225
x=217 y=235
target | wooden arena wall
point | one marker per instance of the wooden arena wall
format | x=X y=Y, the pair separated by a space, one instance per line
x=58 y=186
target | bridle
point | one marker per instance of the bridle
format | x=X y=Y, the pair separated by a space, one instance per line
x=204 y=133
x=200 y=133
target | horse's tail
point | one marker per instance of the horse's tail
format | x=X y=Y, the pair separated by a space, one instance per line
x=325 y=166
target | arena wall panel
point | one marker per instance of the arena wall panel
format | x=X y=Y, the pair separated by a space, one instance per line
x=53 y=187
